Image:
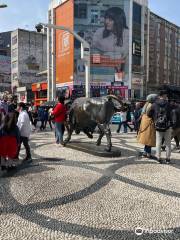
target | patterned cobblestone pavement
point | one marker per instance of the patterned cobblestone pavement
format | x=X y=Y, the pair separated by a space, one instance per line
x=66 y=194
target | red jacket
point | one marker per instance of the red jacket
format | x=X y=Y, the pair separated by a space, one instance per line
x=59 y=113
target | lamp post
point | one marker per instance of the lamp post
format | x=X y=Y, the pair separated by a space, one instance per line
x=3 y=5
x=85 y=51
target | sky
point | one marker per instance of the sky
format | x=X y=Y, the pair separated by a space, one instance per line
x=27 y=13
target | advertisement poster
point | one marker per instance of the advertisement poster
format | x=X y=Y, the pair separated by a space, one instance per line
x=64 y=43
x=105 y=25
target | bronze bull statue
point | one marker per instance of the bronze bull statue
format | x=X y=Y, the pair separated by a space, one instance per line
x=87 y=113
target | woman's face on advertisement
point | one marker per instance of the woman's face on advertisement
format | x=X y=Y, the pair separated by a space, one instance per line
x=109 y=24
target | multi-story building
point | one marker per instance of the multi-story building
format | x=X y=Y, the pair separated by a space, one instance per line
x=164 y=54
x=5 y=61
x=118 y=52
x=28 y=58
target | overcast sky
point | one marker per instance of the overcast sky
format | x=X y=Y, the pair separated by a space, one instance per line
x=26 y=13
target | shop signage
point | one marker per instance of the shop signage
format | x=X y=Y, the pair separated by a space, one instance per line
x=137 y=81
x=136 y=48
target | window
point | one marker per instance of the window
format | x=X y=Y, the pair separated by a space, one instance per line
x=14 y=53
x=94 y=16
x=3 y=52
x=14 y=76
x=42 y=94
x=137 y=60
x=14 y=64
x=136 y=13
x=14 y=40
x=80 y=10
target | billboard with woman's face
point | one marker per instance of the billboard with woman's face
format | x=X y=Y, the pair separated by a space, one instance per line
x=105 y=25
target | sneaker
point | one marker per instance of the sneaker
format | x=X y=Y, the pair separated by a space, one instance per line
x=151 y=157
x=3 y=168
x=11 y=168
x=168 y=161
x=160 y=160
x=163 y=148
x=28 y=160
x=144 y=154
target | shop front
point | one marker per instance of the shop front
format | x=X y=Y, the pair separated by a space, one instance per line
x=40 y=93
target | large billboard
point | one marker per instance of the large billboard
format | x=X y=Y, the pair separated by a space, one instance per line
x=64 y=43
x=105 y=25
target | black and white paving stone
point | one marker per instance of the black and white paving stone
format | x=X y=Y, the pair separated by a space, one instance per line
x=67 y=194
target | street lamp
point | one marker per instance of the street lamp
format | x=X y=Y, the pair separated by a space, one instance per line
x=85 y=50
x=3 y=5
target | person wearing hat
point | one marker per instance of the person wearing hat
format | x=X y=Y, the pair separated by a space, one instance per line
x=147 y=133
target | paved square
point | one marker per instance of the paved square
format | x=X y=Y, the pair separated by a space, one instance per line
x=67 y=194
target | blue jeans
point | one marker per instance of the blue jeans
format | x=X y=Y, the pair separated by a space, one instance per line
x=147 y=149
x=59 y=131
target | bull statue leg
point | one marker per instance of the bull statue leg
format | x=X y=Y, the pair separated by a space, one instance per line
x=101 y=134
x=88 y=133
x=70 y=131
x=108 y=136
x=105 y=130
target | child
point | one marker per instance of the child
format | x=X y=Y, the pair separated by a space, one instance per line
x=9 y=141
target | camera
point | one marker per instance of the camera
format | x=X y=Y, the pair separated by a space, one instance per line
x=39 y=27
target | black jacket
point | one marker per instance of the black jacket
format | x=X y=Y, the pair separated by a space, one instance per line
x=161 y=103
x=176 y=117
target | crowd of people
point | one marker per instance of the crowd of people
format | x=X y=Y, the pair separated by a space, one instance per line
x=15 y=129
x=156 y=122
x=159 y=124
x=18 y=120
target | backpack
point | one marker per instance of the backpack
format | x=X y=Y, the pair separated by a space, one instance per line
x=162 y=123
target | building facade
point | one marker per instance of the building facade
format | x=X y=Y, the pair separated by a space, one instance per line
x=5 y=61
x=117 y=34
x=164 y=54
x=28 y=58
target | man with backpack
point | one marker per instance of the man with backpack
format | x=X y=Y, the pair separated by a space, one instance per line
x=161 y=114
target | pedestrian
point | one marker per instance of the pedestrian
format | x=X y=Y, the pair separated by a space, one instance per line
x=137 y=116
x=45 y=117
x=124 y=115
x=48 y=118
x=35 y=116
x=12 y=103
x=147 y=133
x=4 y=104
x=59 y=113
x=161 y=114
x=9 y=141
x=128 y=118
x=41 y=117
x=29 y=111
x=25 y=130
